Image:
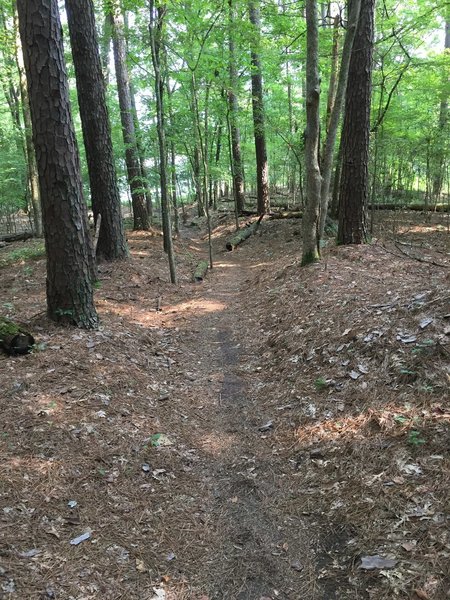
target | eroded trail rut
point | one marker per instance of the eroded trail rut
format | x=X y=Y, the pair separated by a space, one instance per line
x=255 y=552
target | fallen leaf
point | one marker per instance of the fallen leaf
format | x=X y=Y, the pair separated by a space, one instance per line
x=425 y=322
x=81 y=538
x=140 y=566
x=409 y=546
x=30 y=553
x=406 y=338
x=377 y=562
x=266 y=427
x=297 y=566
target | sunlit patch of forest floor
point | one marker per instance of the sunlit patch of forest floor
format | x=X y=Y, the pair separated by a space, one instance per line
x=272 y=433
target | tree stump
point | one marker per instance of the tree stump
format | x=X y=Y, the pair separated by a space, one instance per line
x=14 y=339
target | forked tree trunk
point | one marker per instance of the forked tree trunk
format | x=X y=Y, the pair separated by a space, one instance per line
x=335 y=113
x=140 y=214
x=70 y=257
x=354 y=188
x=310 y=220
x=96 y=130
x=262 y=167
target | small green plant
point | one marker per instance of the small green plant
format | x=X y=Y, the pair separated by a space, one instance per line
x=415 y=439
x=423 y=347
x=321 y=383
x=97 y=284
x=64 y=312
x=400 y=419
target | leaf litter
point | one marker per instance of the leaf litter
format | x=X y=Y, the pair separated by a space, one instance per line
x=322 y=470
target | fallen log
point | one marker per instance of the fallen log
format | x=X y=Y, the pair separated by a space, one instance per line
x=200 y=271
x=243 y=234
x=14 y=339
x=286 y=214
x=16 y=237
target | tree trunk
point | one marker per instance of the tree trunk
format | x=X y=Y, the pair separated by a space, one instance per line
x=140 y=214
x=155 y=42
x=70 y=257
x=335 y=113
x=354 y=187
x=438 y=178
x=237 y=168
x=32 y=172
x=96 y=129
x=262 y=167
x=313 y=180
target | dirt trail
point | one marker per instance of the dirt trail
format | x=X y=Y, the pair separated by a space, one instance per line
x=258 y=553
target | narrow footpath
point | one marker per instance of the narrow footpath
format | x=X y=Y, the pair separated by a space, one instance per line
x=253 y=550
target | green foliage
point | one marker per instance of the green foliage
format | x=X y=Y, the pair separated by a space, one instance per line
x=32 y=251
x=320 y=383
x=415 y=439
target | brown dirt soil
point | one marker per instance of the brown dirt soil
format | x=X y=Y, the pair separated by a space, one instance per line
x=304 y=419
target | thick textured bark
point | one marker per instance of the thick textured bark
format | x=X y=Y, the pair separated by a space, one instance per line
x=237 y=168
x=140 y=214
x=313 y=179
x=70 y=257
x=335 y=113
x=354 y=186
x=96 y=129
x=32 y=172
x=155 y=30
x=262 y=167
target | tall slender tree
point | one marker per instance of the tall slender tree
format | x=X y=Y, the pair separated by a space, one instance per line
x=70 y=257
x=155 y=30
x=134 y=172
x=237 y=167
x=354 y=185
x=262 y=167
x=96 y=129
x=32 y=171
x=312 y=134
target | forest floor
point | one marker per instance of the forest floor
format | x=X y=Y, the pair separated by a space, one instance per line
x=274 y=433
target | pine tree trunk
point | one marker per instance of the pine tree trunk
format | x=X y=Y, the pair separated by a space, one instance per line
x=70 y=257
x=237 y=168
x=140 y=214
x=262 y=167
x=96 y=129
x=310 y=220
x=32 y=172
x=354 y=186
